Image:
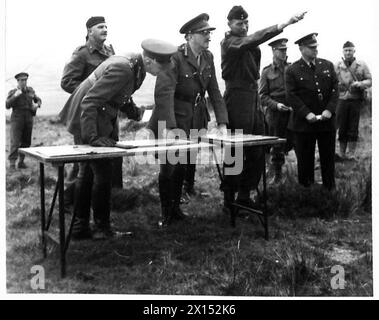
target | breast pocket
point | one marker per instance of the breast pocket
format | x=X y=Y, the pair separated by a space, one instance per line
x=275 y=81
x=206 y=74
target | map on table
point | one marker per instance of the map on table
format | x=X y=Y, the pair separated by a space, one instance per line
x=238 y=138
x=129 y=144
x=69 y=150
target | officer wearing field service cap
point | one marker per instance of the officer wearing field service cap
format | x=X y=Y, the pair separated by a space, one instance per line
x=354 y=77
x=93 y=116
x=312 y=92
x=180 y=101
x=277 y=110
x=82 y=63
x=24 y=103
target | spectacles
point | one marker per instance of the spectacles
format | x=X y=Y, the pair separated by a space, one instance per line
x=204 y=32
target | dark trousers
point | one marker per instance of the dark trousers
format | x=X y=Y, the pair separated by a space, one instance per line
x=93 y=189
x=170 y=183
x=348 y=114
x=252 y=169
x=305 y=144
x=20 y=133
x=277 y=126
x=245 y=114
x=190 y=169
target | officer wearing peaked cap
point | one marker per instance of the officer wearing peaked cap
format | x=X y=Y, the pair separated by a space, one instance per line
x=240 y=63
x=310 y=40
x=277 y=110
x=93 y=116
x=312 y=92
x=180 y=102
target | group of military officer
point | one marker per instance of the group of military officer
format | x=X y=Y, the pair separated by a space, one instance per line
x=102 y=84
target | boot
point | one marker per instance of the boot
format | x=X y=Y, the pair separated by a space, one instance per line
x=81 y=229
x=352 y=148
x=166 y=217
x=229 y=198
x=21 y=165
x=189 y=180
x=343 y=146
x=12 y=165
x=277 y=179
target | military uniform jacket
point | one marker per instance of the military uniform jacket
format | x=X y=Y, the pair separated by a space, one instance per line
x=241 y=56
x=272 y=86
x=24 y=101
x=177 y=88
x=94 y=105
x=345 y=78
x=84 y=61
x=311 y=91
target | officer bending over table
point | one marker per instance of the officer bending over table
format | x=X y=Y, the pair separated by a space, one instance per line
x=93 y=110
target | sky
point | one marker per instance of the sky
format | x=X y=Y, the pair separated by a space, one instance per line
x=39 y=37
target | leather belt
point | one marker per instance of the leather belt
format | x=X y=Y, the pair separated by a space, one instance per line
x=191 y=99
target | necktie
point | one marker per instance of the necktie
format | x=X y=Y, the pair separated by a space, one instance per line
x=313 y=66
x=198 y=60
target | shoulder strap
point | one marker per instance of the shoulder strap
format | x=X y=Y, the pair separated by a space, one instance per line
x=351 y=72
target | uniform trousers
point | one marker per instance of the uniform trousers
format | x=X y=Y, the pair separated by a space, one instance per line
x=348 y=114
x=244 y=114
x=20 y=132
x=305 y=144
x=93 y=189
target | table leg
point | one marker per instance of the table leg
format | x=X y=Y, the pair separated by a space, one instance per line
x=42 y=193
x=265 y=217
x=62 y=233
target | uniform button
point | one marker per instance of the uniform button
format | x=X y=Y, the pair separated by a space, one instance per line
x=315 y=77
x=316 y=83
x=186 y=75
x=318 y=90
x=103 y=108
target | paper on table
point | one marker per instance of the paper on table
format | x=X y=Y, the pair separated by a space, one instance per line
x=70 y=150
x=128 y=144
x=239 y=137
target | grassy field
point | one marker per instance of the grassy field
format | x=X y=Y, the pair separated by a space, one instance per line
x=310 y=232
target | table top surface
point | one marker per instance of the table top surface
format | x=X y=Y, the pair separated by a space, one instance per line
x=75 y=153
x=242 y=139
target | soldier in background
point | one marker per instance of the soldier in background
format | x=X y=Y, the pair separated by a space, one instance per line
x=312 y=92
x=354 y=77
x=24 y=103
x=87 y=57
x=273 y=96
x=84 y=60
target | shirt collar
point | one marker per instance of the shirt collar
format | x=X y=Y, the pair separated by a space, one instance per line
x=92 y=46
x=309 y=62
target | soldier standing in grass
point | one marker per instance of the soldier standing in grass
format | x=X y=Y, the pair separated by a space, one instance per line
x=273 y=97
x=354 y=77
x=24 y=103
x=180 y=101
x=84 y=60
x=93 y=116
x=240 y=62
x=312 y=92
